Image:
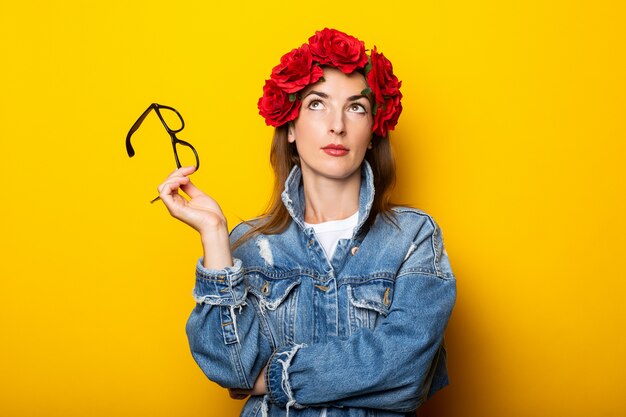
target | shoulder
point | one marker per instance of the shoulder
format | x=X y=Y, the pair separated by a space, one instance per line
x=426 y=252
x=414 y=221
x=241 y=229
x=246 y=235
x=242 y=242
x=412 y=212
x=276 y=251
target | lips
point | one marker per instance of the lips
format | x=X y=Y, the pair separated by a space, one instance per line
x=335 y=150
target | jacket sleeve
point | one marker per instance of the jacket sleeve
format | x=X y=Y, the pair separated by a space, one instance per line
x=226 y=337
x=390 y=367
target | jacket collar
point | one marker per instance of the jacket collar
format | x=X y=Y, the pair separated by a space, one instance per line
x=293 y=196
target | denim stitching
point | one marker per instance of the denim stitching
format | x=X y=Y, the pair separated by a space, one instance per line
x=220 y=301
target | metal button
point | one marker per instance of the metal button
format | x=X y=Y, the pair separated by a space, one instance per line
x=386 y=297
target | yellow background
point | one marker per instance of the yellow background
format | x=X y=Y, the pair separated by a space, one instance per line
x=512 y=137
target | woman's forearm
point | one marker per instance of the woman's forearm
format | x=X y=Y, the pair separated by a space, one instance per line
x=216 y=248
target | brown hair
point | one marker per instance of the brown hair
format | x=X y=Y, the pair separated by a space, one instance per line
x=284 y=156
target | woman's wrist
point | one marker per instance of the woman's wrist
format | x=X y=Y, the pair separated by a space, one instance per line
x=216 y=247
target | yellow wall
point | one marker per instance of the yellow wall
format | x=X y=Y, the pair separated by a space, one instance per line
x=512 y=137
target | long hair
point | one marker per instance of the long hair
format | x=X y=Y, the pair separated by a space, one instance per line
x=284 y=156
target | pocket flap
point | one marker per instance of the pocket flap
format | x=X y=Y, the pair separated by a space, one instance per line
x=272 y=291
x=374 y=295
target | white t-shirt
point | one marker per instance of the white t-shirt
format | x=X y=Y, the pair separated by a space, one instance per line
x=329 y=233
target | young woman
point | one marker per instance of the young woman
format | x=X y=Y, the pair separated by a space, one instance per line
x=334 y=302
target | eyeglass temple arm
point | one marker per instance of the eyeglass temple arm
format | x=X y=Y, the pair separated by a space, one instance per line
x=133 y=129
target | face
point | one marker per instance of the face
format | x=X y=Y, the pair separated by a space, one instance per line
x=334 y=126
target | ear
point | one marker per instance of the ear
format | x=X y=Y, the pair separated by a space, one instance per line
x=291 y=136
x=370 y=146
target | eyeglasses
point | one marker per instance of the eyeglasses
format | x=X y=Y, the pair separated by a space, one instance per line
x=173 y=125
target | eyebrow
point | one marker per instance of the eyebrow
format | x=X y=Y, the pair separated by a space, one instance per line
x=357 y=97
x=318 y=93
x=324 y=95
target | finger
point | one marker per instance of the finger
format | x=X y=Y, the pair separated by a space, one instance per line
x=183 y=171
x=179 y=173
x=191 y=190
x=239 y=391
x=168 y=192
x=238 y=394
x=172 y=184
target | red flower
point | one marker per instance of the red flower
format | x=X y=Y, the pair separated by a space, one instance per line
x=275 y=105
x=332 y=47
x=387 y=115
x=296 y=70
x=385 y=87
x=302 y=67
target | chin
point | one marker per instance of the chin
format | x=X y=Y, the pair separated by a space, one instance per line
x=340 y=174
x=335 y=169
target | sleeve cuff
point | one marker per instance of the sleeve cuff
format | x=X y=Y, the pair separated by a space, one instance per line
x=277 y=377
x=219 y=286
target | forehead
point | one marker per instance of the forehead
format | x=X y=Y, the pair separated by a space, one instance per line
x=336 y=83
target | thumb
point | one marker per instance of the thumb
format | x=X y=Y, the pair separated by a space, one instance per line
x=191 y=190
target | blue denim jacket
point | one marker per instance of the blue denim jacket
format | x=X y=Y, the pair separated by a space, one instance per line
x=359 y=335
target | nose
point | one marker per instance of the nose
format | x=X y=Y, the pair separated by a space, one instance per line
x=337 y=124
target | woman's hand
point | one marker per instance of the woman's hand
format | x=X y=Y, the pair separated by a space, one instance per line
x=258 y=389
x=200 y=212
x=238 y=394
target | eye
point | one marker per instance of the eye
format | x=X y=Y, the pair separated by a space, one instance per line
x=357 y=108
x=315 y=105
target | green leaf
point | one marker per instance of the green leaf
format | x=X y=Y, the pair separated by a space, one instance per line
x=366 y=91
x=292 y=97
x=368 y=67
x=374 y=109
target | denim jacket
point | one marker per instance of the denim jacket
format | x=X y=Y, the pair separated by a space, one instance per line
x=360 y=334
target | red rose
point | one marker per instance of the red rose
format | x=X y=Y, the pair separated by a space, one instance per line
x=332 y=47
x=381 y=76
x=296 y=70
x=275 y=105
x=385 y=87
x=387 y=115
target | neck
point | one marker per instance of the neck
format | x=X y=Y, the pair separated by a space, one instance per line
x=328 y=199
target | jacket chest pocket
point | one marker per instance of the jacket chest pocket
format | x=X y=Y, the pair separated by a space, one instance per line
x=278 y=299
x=369 y=302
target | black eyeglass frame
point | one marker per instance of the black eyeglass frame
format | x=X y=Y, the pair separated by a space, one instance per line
x=172 y=132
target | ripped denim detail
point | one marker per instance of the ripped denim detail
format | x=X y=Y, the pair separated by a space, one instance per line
x=286 y=386
x=218 y=300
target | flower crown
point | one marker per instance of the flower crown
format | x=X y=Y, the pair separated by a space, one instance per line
x=301 y=67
